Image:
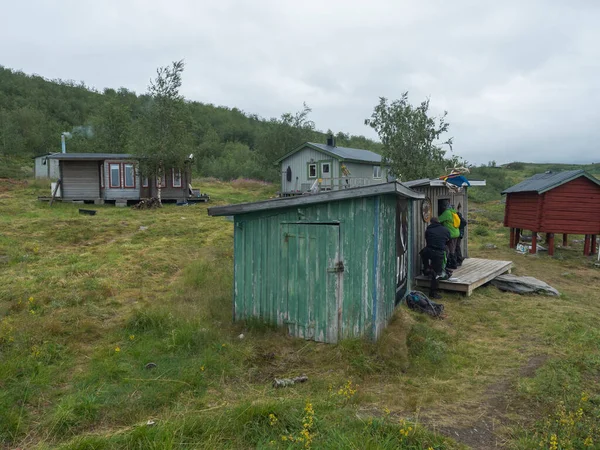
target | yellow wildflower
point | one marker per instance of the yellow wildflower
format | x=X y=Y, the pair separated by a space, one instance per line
x=117 y=349
x=272 y=419
x=131 y=337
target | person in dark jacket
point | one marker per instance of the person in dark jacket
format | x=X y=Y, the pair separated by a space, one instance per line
x=436 y=237
x=463 y=224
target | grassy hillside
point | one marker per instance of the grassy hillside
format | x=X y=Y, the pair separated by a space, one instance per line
x=228 y=143
x=86 y=303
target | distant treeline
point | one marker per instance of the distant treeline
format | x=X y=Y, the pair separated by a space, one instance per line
x=228 y=142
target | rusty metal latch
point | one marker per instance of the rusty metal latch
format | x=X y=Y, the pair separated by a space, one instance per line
x=339 y=267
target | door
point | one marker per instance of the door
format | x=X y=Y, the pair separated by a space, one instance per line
x=326 y=182
x=313 y=271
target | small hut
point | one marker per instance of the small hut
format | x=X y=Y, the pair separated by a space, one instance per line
x=436 y=194
x=328 y=266
x=554 y=202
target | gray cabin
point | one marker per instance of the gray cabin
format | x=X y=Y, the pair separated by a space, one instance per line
x=45 y=168
x=316 y=167
x=114 y=177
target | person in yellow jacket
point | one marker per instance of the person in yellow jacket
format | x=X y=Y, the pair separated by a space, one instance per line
x=450 y=219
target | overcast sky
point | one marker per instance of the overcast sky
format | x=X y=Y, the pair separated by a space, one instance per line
x=520 y=79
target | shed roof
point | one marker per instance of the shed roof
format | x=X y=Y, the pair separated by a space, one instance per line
x=542 y=182
x=43 y=155
x=340 y=153
x=90 y=156
x=286 y=202
x=437 y=182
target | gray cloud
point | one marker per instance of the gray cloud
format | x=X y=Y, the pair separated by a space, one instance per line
x=519 y=79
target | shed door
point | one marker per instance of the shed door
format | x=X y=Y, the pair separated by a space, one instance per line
x=311 y=261
x=81 y=180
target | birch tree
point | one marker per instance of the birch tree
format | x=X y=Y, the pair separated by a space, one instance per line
x=163 y=139
x=413 y=143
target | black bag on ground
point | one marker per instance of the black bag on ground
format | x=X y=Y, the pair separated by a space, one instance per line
x=417 y=301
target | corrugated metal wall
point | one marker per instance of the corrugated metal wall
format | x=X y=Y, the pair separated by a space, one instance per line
x=435 y=193
x=298 y=163
x=367 y=249
x=48 y=170
x=80 y=180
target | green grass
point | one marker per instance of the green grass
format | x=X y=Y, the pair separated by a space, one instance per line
x=87 y=302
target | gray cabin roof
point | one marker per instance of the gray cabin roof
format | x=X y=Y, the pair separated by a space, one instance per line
x=323 y=197
x=340 y=153
x=542 y=182
x=90 y=156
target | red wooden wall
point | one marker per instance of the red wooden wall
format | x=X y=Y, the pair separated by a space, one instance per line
x=522 y=211
x=572 y=208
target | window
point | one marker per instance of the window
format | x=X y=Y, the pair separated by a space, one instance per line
x=145 y=182
x=176 y=177
x=312 y=171
x=129 y=176
x=376 y=171
x=114 y=171
x=326 y=169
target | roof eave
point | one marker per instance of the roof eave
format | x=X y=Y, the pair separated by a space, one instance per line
x=364 y=191
x=306 y=144
x=574 y=177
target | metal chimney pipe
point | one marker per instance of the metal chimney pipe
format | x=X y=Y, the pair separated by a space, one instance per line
x=62 y=142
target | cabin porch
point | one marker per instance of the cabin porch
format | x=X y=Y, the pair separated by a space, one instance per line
x=473 y=273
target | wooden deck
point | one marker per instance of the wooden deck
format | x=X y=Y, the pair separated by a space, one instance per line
x=473 y=273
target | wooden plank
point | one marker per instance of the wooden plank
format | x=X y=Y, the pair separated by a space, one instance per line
x=474 y=273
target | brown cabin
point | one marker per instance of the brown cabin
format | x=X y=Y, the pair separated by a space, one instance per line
x=563 y=202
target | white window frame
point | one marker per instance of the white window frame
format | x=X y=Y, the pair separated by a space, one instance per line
x=110 y=175
x=377 y=172
x=145 y=182
x=328 y=164
x=316 y=170
x=125 y=168
x=173 y=172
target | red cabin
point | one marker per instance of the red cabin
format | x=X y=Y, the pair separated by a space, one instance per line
x=564 y=202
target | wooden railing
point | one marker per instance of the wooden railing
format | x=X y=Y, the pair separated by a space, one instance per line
x=329 y=184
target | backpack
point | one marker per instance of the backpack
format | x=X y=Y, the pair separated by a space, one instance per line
x=417 y=301
x=455 y=220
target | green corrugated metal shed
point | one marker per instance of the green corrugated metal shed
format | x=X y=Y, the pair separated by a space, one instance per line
x=328 y=266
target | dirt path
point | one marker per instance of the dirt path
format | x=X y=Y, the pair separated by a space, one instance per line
x=491 y=415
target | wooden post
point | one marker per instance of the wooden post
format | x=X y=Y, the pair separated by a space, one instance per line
x=512 y=238
x=533 y=243
x=565 y=240
x=593 y=249
x=58 y=183
x=550 y=240
x=586 y=245
x=517 y=236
